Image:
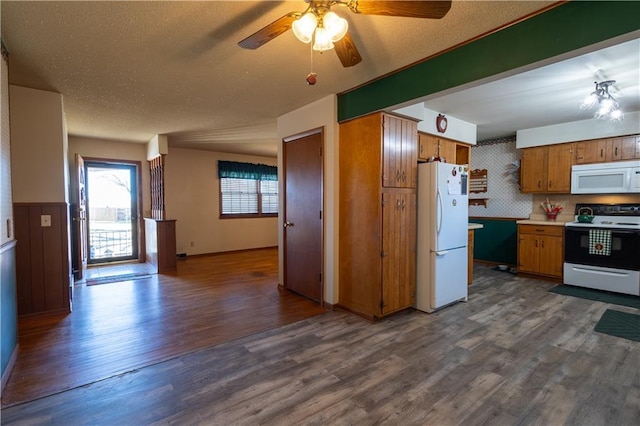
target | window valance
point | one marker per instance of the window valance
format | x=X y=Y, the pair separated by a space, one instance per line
x=238 y=170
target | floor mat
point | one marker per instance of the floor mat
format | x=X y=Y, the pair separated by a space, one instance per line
x=116 y=278
x=619 y=324
x=598 y=295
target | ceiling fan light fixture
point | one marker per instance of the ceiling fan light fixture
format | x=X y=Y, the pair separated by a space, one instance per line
x=322 y=40
x=336 y=26
x=304 y=27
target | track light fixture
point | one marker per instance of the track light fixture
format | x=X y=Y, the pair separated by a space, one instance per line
x=608 y=107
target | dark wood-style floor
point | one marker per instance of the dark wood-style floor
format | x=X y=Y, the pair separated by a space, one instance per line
x=119 y=327
x=514 y=354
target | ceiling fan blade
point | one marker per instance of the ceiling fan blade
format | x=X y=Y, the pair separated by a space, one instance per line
x=347 y=52
x=411 y=9
x=268 y=33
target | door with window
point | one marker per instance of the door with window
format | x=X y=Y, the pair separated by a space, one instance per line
x=111 y=211
x=303 y=222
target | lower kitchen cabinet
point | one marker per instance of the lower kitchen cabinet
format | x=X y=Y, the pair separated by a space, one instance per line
x=541 y=250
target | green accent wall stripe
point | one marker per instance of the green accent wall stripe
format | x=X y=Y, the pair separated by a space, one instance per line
x=560 y=30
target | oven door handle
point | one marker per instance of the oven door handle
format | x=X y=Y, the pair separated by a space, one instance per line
x=601 y=272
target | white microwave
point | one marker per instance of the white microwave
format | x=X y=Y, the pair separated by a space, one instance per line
x=619 y=177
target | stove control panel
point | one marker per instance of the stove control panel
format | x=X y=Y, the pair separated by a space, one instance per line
x=629 y=209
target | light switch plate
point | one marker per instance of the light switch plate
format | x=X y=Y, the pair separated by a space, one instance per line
x=45 y=220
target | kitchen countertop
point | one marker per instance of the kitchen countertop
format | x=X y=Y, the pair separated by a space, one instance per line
x=475 y=226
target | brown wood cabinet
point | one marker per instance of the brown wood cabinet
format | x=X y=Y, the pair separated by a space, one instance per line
x=435 y=146
x=608 y=149
x=547 y=168
x=378 y=173
x=540 y=250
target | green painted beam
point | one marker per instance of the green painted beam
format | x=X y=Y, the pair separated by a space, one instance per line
x=563 y=29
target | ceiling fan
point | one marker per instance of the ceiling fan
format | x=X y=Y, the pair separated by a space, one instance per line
x=318 y=24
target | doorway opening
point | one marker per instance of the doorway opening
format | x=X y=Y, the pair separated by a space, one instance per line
x=112 y=212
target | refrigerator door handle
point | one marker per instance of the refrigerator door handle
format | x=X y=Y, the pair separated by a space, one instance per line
x=440 y=252
x=439 y=211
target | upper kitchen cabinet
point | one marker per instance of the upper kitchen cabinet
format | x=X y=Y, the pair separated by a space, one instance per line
x=399 y=141
x=608 y=149
x=435 y=146
x=547 y=168
x=624 y=148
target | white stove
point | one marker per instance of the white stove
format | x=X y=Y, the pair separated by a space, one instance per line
x=608 y=222
x=605 y=253
x=621 y=216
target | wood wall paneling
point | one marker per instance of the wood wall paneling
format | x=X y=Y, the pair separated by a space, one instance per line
x=42 y=258
x=161 y=244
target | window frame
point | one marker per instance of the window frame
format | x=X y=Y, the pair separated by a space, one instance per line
x=259 y=193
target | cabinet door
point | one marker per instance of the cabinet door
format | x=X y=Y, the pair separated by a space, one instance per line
x=594 y=151
x=410 y=152
x=551 y=255
x=398 y=251
x=614 y=149
x=399 y=145
x=533 y=176
x=528 y=252
x=628 y=147
x=392 y=152
x=560 y=159
x=428 y=146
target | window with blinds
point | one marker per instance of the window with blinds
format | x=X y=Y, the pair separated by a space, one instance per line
x=247 y=190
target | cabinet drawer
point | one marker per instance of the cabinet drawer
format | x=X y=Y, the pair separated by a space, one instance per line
x=557 y=231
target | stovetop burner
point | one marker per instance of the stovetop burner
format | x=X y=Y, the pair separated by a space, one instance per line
x=621 y=216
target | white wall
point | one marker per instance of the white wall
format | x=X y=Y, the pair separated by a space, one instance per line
x=192 y=198
x=321 y=113
x=578 y=131
x=111 y=150
x=457 y=129
x=38 y=137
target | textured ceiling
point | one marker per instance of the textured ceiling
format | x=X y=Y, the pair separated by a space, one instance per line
x=130 y=70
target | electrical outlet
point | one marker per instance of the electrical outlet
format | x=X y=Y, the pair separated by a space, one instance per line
x=192 y=244
x=45 y=220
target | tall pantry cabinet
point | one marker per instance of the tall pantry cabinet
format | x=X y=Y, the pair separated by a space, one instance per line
x=377 y=243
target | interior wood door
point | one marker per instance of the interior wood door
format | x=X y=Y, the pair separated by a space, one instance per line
x=80 y=218
x=303 y=210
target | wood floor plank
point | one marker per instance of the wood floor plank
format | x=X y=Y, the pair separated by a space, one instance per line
x=118 y=327
x=498 y=359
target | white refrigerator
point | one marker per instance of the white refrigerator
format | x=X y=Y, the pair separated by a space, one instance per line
x=443 y=219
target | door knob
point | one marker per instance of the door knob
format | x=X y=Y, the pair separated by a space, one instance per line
x=288 y=224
